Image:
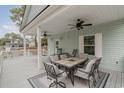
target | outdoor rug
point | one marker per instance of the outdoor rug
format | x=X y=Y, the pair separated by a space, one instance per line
x=41 y=81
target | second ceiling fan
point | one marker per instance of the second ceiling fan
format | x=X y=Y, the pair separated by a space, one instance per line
x=45 y=34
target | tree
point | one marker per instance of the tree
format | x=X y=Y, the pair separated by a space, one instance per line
x=13 y=37
x=10 y=38
x=4 y=40
x=17 y=15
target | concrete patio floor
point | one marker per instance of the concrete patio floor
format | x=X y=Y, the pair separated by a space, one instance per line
x=17 y=70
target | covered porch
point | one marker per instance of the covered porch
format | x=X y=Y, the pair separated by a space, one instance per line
x=107 y=29
x=105 y=36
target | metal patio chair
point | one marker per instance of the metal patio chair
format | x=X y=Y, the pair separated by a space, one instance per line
x=88 y=73
x=54 y=73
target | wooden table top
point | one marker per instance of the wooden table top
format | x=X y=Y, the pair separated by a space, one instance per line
x=70 y=62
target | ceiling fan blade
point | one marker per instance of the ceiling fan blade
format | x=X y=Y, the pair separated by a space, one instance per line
x=81 y=22
x=71 y=25
x=81 y=27
x=78 y=28
x=86 y=25
x=49 y=35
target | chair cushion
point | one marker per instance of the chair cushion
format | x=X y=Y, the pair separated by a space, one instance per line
x=89 y=65
x=81 y=74
x=54 y=58
x=98 y=58
x=55 y=68
x=64 y=56
x=81 y=69
x=83 y=56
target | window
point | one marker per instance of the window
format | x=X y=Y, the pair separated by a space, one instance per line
x=89 y=45
x=44 y=44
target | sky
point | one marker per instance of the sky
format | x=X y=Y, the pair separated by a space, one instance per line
x=6 y=24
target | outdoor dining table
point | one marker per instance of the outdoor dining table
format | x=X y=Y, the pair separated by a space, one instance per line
x=70 y=65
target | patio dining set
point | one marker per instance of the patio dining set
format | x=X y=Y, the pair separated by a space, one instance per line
x=73 y=66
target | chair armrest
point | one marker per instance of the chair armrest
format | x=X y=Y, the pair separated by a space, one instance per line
x=83 y=71
x=83 y=63
x=60 y=73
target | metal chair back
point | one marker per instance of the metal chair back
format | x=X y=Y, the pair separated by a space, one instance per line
x=97 y=63
x=74 y=52
x=50 y=70
x=91 y=73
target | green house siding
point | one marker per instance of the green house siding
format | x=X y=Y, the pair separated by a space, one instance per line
x=70 y=39
x=113 y=43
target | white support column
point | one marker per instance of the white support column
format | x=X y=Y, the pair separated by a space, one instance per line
x=39 y=47
x=24 y=41
x=98 y=44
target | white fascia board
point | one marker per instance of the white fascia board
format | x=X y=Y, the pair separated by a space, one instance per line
x=26 y=14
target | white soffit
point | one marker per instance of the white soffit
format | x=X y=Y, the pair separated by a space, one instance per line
x=46 y=15
x=95 y=14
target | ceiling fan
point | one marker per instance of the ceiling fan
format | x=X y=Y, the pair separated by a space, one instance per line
x=79 y=25
x=45 y=34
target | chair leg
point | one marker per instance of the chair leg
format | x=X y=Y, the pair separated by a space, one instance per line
x=91 y=82
x=52 y=84
x=56 y=84
x=61 y=84
x=67 y=74
x=98 y=73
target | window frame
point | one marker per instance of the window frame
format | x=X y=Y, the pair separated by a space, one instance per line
x=89 y=45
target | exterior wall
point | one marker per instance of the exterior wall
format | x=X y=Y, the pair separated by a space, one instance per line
x=113 y=43
x=68 y=42
x=69 y=39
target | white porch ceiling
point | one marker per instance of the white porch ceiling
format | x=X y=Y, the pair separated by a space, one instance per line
x=95 y=14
